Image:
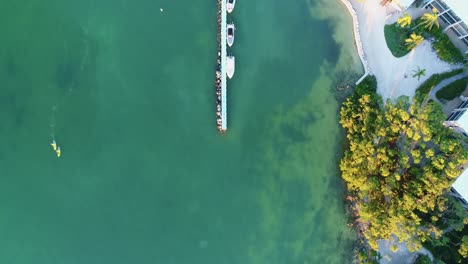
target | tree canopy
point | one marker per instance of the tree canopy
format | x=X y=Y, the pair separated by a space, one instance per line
x=399 y=162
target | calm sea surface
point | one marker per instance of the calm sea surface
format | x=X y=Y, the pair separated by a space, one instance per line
x=127 y=92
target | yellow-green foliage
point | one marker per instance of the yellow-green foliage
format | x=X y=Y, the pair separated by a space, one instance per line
x=464 y=247
x=430 y=19
x=399 y=162
x=404 y=21
x=413 y=41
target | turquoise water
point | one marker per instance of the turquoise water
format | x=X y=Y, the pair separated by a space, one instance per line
x=127 y=92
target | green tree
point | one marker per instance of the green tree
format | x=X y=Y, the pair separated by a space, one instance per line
x=423 y=259
x=400 y=161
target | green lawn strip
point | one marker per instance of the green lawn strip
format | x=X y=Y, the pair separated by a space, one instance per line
x=425 y=87
x=452 y=90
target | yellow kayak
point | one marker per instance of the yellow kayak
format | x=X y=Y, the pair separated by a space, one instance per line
x=58 y=151
x=54 y=145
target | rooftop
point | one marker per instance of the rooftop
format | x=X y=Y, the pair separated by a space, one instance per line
x=463 y=121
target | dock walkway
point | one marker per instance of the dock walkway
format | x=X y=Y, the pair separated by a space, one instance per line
x=223 y=41
x=224 y=69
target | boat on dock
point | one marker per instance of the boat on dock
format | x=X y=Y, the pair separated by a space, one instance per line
x=230 y=66
x=230 y=34
x=230 y=5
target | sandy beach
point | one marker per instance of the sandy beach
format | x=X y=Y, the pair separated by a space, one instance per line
x=394 y=75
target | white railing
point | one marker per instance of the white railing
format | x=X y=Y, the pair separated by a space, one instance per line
x=357 y=39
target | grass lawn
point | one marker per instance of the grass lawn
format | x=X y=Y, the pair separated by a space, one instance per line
x=425 y=87
x=395 y=37
x=452 y=90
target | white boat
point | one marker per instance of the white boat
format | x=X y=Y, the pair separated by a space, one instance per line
x=54 y=145
x=59 y=152
x=230 y=66
x=230 y=34
x=230 y=5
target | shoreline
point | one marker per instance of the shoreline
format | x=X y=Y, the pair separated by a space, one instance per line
x=357 y=40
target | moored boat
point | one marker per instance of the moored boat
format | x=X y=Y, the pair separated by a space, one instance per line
x=230 y=5
x=230 y=66
x=230 y=34
x=54 y=145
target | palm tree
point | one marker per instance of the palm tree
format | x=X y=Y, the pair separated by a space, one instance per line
x=404 y=21
x=419 y=72
x=413 y=41
x=430 y=19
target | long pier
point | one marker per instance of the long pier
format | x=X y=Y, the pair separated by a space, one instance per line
x=221 y=85
x=223 y=65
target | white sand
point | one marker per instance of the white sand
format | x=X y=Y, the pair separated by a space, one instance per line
x=394 y=75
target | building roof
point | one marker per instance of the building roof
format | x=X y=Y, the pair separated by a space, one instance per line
x=463 y=121
x=459 y=7
x=461 y=185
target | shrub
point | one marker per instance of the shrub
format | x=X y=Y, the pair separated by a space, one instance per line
x=444 y=47
x=435 y=79
x=367 y=86
x=452 y=90
x=423 y=259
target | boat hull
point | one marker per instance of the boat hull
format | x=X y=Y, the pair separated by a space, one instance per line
x=230 y=6
x=230 y=34
x=230 y=66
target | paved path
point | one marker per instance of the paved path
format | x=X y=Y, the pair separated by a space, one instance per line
x=444 y=83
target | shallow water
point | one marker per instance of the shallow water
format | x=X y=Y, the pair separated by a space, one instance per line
x=127 y=92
